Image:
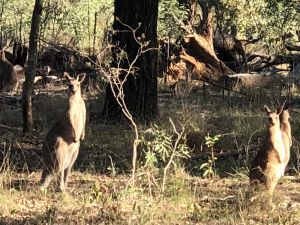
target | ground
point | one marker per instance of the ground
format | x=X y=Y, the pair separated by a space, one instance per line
x=93 y=199
x=101 y=191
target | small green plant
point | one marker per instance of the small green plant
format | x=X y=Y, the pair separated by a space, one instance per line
x=96 y=193
x=162 y=150
x=209 y=167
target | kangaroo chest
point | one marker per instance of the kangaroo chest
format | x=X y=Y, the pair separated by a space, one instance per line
x=76 y=110
x=278 y=145
x=76 y=114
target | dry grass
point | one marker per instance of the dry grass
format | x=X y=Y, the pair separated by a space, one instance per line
x=100 y=191
x=102 y=199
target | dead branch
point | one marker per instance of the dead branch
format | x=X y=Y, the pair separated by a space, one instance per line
x=10 y=128
x=292 y=47
x=246 y=42
x=274 y=60
x=201 y=54
x=251 y=56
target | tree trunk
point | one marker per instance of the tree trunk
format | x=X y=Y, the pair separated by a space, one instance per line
x=31 y=70
x=140 y=89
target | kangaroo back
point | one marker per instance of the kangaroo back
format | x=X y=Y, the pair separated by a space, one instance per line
x=286 y=130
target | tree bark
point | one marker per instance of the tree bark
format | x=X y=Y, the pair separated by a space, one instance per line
x=31 y=71
x=140 y=89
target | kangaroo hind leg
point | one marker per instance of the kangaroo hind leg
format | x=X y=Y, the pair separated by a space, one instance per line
x=47 y=175
x=50 y=163
x=62 y=159
x=73 y=154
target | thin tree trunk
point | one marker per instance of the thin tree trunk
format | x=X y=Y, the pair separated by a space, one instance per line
x=31 y=71
x=1 y=29
x=94 y=33
x=89 y=32
x=20 y=29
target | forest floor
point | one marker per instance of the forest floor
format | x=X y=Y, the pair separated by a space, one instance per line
x=100 y=188
x=101 y=199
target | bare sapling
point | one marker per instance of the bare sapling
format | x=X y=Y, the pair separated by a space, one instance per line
x=285 y=127
x=269 y=164
x=8 y=76
x=61 y=146
x=117 y=77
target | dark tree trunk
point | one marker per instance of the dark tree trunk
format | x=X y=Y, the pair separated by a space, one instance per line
x=31 y=71
x=140 y=89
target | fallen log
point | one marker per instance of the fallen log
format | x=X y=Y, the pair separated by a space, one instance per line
x=11 y=100
x=200 y=54
x=199 y=50
x=10 y=128
x=244 y=81
x=292 y=47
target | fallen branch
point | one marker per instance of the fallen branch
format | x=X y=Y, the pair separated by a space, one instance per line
x=254 y=55
x=10 y=100
x=292 y=47
x=10 y=128
x=274 y=60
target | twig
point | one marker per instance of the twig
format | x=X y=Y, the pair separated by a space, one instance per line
x=179 y=137
x=10 y=128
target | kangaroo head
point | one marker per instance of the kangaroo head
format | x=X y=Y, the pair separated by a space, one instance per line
x=273 y=117
x=74 y=83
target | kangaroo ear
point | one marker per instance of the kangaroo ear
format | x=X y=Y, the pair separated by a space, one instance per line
x=280 y=109
x=2 y=55
x=267 y=110
x=287 y=106
x=67 y=76
x=82 y=75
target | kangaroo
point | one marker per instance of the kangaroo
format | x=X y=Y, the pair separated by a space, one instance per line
x=285 y=128
x=8 y=76
x=269 y=164
x=61 y=146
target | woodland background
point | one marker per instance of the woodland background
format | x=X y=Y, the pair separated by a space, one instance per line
x=218 y=63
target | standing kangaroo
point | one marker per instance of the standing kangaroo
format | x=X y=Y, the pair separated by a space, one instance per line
x=61 y=146
x=269 y=164
x=285 y=127
x=8 y=76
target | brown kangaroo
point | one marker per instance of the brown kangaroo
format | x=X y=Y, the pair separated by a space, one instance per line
x=285 y=128
x=8 y=76
x=61 y=146
x=269 y=164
